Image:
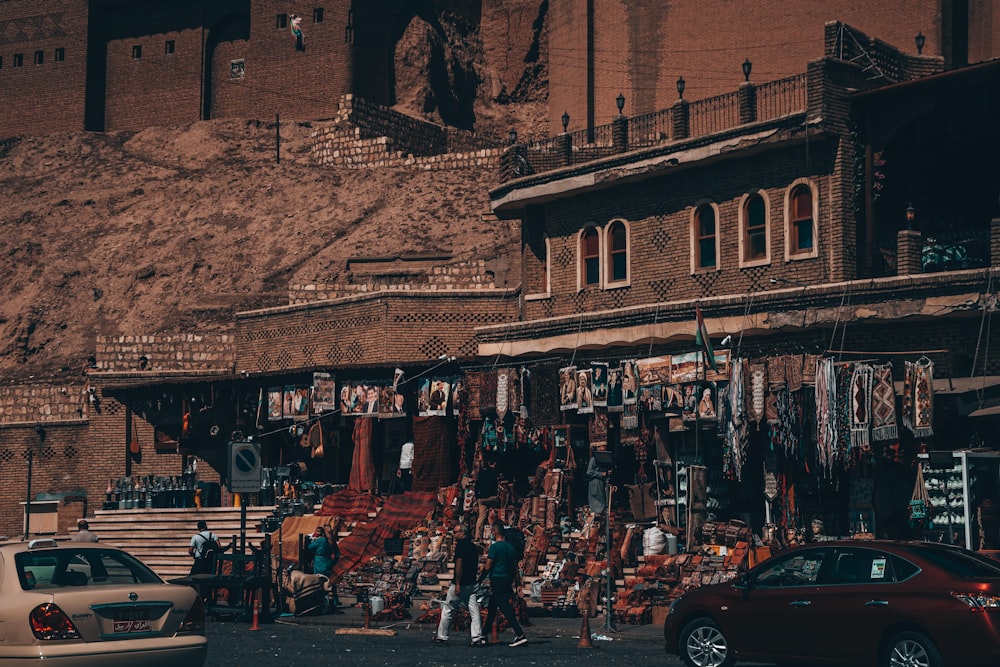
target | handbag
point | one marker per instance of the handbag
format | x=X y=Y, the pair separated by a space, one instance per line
x=920 y=502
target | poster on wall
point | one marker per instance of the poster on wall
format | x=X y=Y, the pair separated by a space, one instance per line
x=584 y=392
x=273 y=403
x=324 y=393
x=300 y=403
x=630 y=382
x=651 y=398
x=567 y=388
x=615 y=389
x=654 y=370
x=369 y=405
x=599 y=373
x=432 y=396
x=392 y=402
x=457 y=385
x=288 y=401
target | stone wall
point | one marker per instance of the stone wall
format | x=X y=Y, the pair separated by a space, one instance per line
x=182 y=352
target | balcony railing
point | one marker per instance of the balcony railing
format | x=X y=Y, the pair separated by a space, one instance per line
x=684 y=120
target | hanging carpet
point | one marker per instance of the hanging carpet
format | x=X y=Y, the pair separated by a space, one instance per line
x=431 y=453
x=884 y=405
x=362 y=463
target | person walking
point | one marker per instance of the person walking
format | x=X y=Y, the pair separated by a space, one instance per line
x=83 y=532
x=487 y=493
x=325 y=556
x=462 y=592
x=501 y=568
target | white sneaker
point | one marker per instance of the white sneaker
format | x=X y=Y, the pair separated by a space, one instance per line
x=518 y=641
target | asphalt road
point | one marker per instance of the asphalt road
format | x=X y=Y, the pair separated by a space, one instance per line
x=552 y=643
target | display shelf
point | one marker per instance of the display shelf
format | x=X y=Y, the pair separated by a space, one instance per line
x=957 y=483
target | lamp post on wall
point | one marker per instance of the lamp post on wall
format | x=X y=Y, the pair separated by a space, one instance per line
x=680 y=88
x=747 y=66
x=911 y=215
x=920 y=40
x=565 y=121
x=620 y=103
x=27 y=499
x=512 y=136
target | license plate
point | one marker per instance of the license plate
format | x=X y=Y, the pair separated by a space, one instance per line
x=131 y=620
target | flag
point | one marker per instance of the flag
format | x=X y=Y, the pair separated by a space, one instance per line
x=702 y=340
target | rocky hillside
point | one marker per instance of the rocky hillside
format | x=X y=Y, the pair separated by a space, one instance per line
x=174 y=229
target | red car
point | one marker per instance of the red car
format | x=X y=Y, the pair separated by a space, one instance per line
x=891 y=604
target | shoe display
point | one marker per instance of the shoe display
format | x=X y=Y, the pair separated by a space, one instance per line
x=518 y=641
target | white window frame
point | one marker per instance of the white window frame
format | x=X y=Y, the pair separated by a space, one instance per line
x=743 y=231
x=790 y=254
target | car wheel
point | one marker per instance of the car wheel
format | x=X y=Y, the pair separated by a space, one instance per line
x=704 y=645
x=911 y=649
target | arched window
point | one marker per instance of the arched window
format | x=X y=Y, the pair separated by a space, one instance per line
x=705 y=237
x=617 y=241
x=801 y=221
x=754 y=224
x=590 y=257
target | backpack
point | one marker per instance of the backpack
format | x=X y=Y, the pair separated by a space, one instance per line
x=209 y=546
x=516 y=539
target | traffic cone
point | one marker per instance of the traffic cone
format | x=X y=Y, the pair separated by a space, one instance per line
x=255 y=625
x=585 y=629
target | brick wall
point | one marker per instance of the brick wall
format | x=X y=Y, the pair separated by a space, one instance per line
x=182 y=352
x=366 y=135
x=640 y=49
x=382 y=328
x=49 y=97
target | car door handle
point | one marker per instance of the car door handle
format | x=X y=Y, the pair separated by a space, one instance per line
x=877 y=603
x=800 y=603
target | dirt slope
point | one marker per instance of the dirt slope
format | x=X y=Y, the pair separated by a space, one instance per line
x=174 y=229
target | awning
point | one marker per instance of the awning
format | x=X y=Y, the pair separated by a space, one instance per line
x=986 y=412
x=961 y=385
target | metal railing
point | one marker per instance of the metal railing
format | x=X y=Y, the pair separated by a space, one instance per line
x=711 y=115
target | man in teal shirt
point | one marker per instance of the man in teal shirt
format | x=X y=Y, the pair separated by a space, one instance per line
x=501 y=568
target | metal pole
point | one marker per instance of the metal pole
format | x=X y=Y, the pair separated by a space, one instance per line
x=277 y=138
x=27 y=503
x=609 y=622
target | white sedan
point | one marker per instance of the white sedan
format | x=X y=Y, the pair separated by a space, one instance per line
x=82 y=604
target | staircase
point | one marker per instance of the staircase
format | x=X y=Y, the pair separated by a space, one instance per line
x=160 y=537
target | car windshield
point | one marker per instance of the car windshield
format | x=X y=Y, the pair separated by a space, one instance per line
x=86 y=566
x=960 y=563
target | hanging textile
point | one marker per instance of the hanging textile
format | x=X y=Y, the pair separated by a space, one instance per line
x=883 y=404
x=488 y=392
x=515 y=401
x=776 y=373
x=758 y=391
x=737 y=433
x=861 y=406
x=918 y=397
x=503 y=395
x=826 y=423
x=431 y=453
x=362 y=463
x=598 y=430
x=843 y=412
x=793 y=371
x=470 y=394
x=809 y=369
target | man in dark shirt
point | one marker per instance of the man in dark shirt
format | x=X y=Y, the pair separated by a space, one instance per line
x=501 y=568
x=487 y=493
x=461 y=593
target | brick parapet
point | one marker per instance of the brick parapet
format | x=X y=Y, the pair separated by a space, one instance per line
x=471 y=275
x=34 y=404
x=185 y=352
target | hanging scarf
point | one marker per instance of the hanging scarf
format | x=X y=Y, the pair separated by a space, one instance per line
x=809 y=369
x=736 y=436
x=776 y=373
x=884 y=405
x=363 y=463
x=861 y=406
x=826 y=423
x=503 y=394
x=842 y=449
x=758 y=385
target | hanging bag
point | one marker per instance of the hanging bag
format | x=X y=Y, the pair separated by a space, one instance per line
x=920 y=503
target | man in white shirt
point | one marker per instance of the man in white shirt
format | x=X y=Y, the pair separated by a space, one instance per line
x=405 y=471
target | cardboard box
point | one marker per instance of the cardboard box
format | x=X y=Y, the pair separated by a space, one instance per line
x=659 y=614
